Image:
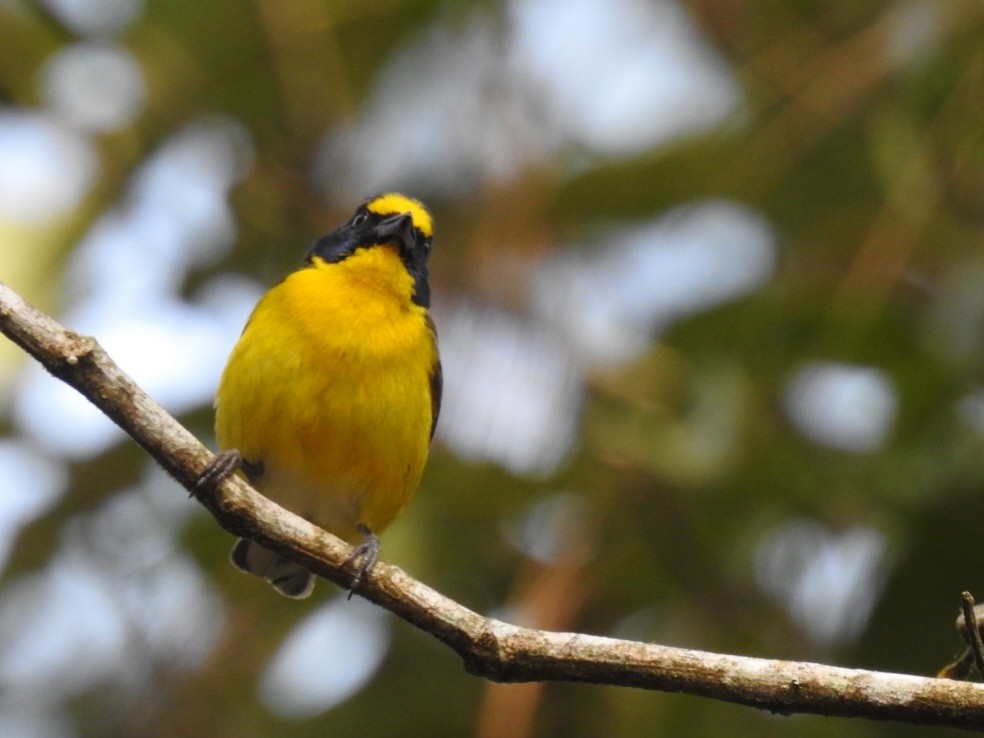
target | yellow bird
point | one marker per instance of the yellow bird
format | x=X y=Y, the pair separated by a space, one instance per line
x=330 y=397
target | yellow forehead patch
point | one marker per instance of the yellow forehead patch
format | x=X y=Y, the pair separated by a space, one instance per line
x=393 y=203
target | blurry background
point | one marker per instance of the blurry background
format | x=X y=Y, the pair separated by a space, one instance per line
x=709 y=283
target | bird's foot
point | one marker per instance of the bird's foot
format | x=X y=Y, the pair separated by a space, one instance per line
x=366 y=553
x=223 y=466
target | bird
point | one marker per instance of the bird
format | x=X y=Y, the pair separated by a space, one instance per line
x=330 y=397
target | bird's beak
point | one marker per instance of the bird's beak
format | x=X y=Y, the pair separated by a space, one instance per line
x=396 y=228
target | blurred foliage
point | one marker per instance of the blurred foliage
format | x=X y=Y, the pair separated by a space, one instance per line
x=871 y=174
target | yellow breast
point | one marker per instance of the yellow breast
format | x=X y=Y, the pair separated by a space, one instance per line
x=329 y=389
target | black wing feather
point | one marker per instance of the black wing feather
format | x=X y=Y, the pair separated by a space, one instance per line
x=436 y=380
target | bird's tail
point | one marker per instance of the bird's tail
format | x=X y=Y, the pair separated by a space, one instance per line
x=289 y=579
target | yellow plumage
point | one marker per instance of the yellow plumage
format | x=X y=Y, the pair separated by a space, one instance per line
x=330 y=390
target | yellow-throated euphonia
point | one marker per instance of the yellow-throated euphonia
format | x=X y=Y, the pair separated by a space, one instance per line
x=330 y=397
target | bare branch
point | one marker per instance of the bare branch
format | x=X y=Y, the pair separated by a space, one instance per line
x=488 y=647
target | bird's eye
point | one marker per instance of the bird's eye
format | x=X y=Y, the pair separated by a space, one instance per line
x=360 y=218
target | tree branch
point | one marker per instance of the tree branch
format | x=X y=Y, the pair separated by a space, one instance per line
x=490 y=648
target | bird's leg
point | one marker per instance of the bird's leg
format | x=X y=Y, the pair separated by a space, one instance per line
x=223 y=466
x=367 y=553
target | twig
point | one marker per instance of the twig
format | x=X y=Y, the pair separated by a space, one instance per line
x=973 y=632
x=488 y=647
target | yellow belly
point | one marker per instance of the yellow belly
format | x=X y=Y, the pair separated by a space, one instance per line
x=329 y=389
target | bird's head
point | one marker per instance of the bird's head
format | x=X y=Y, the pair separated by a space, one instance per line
x=388 y=219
